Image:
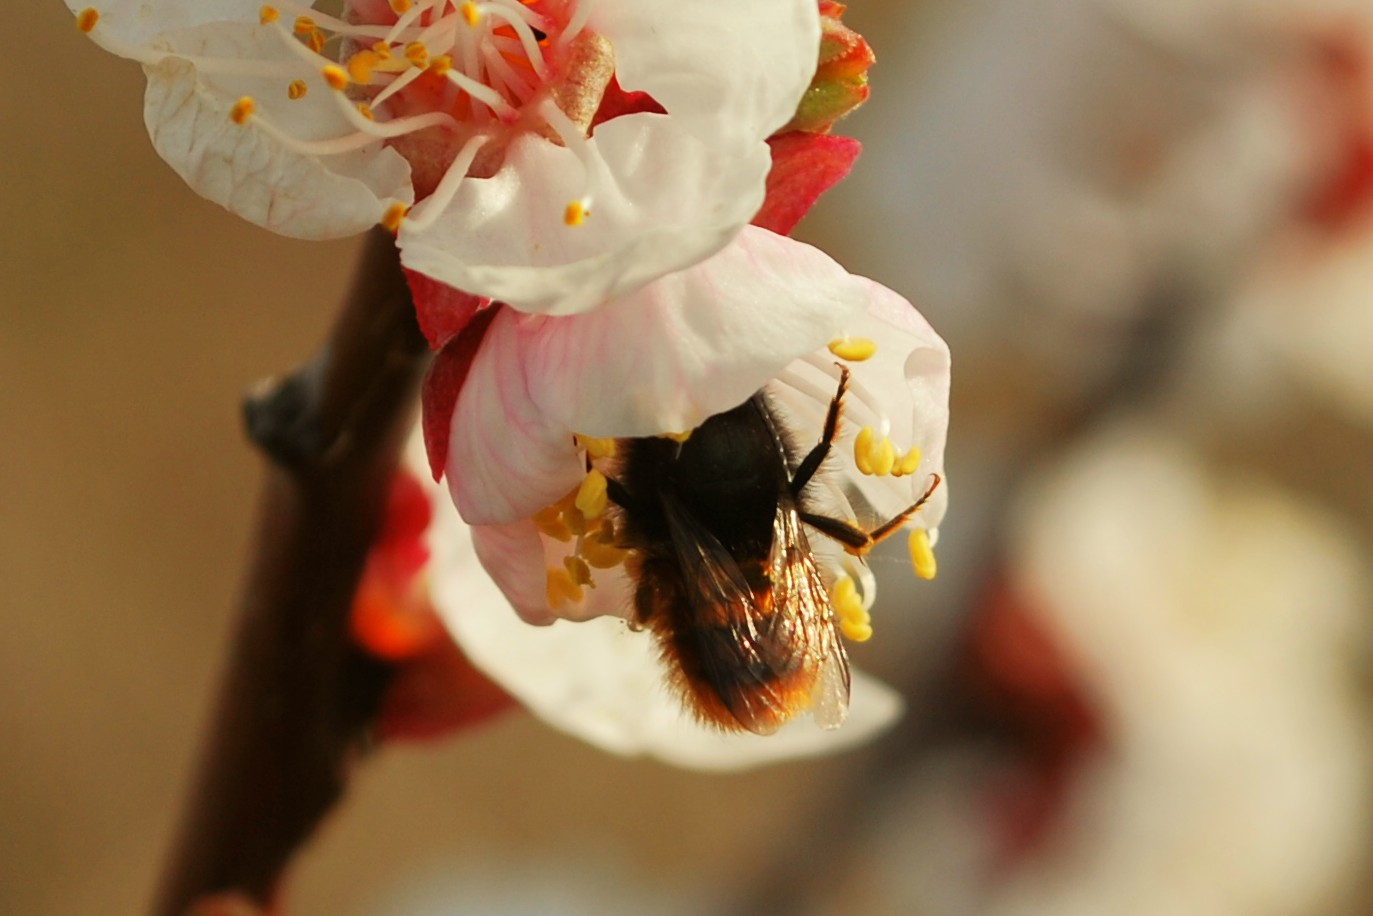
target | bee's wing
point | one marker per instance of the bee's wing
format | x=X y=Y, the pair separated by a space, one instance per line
x=799 y=591
x=766 y=656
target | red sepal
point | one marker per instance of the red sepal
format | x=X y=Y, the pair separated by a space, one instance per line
x=443 y=382
x=804 y=166
x=438 y=693
x=441 y=310
x=616 y=102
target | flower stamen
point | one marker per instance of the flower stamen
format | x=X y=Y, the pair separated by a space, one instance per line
x=853 y=349
x=394 y=215
x=591 y=495
x=561 y=589
x=577 y=22
x=576 y=211
x=922 y=553
x=242 y=110
x=595 y=448
x=434 y=205
x=854 y=620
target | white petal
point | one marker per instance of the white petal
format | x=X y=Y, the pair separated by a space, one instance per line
x=602 y=682
x=695 y=343
x=906 y=382
x=690 y=345
x=245 y=169
x=731 y=73
x=138 y=22
x=664 y=200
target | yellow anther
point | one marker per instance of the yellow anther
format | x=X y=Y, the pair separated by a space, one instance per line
x=440 y=65
x=316 y=41
x=417 y=52
x=591 y=495
x=242 y=110
x=576 y=568
x=335 y=76
x=366 y=111
x=266 y=15
x=853 y=349
x=600 y=552
x=922 y=554
x=470 y=14
x=883 y=458
x=862 y=449
x=303 y=25
x=679 y=438
x=382 y=50
x=561 y=589
x=855 y=631
x=596 y=448
x=394 y=215
x=576 y=212
x=400 y=6
x=297 y=90
x=550 y=522
x=844 y=590
x=573 y=518
x=87 y=19
x=908 y=463
x=361 y=65
x=846 y=601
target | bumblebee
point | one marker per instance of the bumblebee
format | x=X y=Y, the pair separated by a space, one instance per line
x=724 y=572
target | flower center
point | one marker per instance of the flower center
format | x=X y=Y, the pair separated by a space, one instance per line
x=446 y=83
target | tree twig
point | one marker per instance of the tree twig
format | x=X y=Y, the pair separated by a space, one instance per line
x=297 y=697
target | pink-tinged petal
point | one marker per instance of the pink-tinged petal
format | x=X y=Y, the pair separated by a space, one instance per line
x=731 y=74
x=662 y=201
x=443 y=382
x=690 y=345
x=517 y=558
x=245 y=168
x=505 y=459
x=598 y=680
x=804 y=166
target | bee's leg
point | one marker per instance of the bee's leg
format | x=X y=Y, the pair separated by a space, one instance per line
x=811 y=463
x=857 y=541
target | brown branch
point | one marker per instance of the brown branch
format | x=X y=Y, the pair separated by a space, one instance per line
x=297 y=697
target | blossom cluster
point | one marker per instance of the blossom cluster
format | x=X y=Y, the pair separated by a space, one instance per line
x=593 y=201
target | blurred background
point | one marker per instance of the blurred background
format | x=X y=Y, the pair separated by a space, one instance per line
x=1140 y=683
